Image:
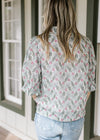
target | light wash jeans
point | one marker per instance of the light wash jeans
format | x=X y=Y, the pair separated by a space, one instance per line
x=49 y=129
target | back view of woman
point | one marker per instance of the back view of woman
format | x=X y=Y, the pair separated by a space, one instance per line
x=59 y=73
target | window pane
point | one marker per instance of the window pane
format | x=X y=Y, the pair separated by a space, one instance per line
x=11 y=51
x=9 y=30
x=6 y=31
x=18 y=52
x=12 y=87
x=8 y=10
x=12 y=69
x=16 y=11
x=16 y=31
x=18 y=72
x=18 y=89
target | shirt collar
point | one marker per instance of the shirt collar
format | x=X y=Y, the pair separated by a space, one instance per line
x=54 y=29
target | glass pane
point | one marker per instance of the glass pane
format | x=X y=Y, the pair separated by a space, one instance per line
x=8 y=10
x=18 y=89
x=12 y=69
x=18 y=70
x=12 y=87
x=9 y=29
x=18 y=51
x=6 y=30
x=11 y=51
x=16 y=7
x=16 y=31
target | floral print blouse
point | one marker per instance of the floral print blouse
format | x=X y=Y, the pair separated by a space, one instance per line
x=61 y=88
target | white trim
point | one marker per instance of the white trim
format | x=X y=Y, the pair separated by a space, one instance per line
x=8 y=1
x=12 y=20
x=15 y=73
x=12 y=41
x=3 y=25
x=97 y=132
x=10 y=78
x=98 y=33
x=13 y=60
x=14 y=99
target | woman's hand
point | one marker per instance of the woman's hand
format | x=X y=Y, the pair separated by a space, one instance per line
x=88 y=95
x=34 y=96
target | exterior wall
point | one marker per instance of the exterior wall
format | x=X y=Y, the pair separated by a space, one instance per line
x=81 y=9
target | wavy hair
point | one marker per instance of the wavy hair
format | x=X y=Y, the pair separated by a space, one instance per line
x=60 y=13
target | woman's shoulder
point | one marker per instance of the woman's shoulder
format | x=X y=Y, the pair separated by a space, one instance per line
x=33 y=39
x=86 y=40
x=33 y=43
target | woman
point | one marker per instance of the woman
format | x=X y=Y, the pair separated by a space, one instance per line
x=59 y=73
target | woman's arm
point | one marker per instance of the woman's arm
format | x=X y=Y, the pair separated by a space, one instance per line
x=34 y=96
x=31 y=69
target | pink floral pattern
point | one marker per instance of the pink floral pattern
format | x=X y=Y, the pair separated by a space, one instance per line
x=61 y=88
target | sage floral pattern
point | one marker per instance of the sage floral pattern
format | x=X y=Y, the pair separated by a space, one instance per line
x=61 y=88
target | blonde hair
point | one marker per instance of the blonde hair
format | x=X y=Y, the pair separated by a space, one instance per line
x=60 y=13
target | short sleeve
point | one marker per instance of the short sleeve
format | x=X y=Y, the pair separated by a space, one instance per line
x=31 y=70
x=92 y=68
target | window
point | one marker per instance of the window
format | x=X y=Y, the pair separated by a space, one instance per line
x=12 y=50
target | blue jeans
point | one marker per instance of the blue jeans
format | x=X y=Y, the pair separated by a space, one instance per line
x=49 y=129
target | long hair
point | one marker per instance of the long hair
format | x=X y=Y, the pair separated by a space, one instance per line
x=60 y=13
